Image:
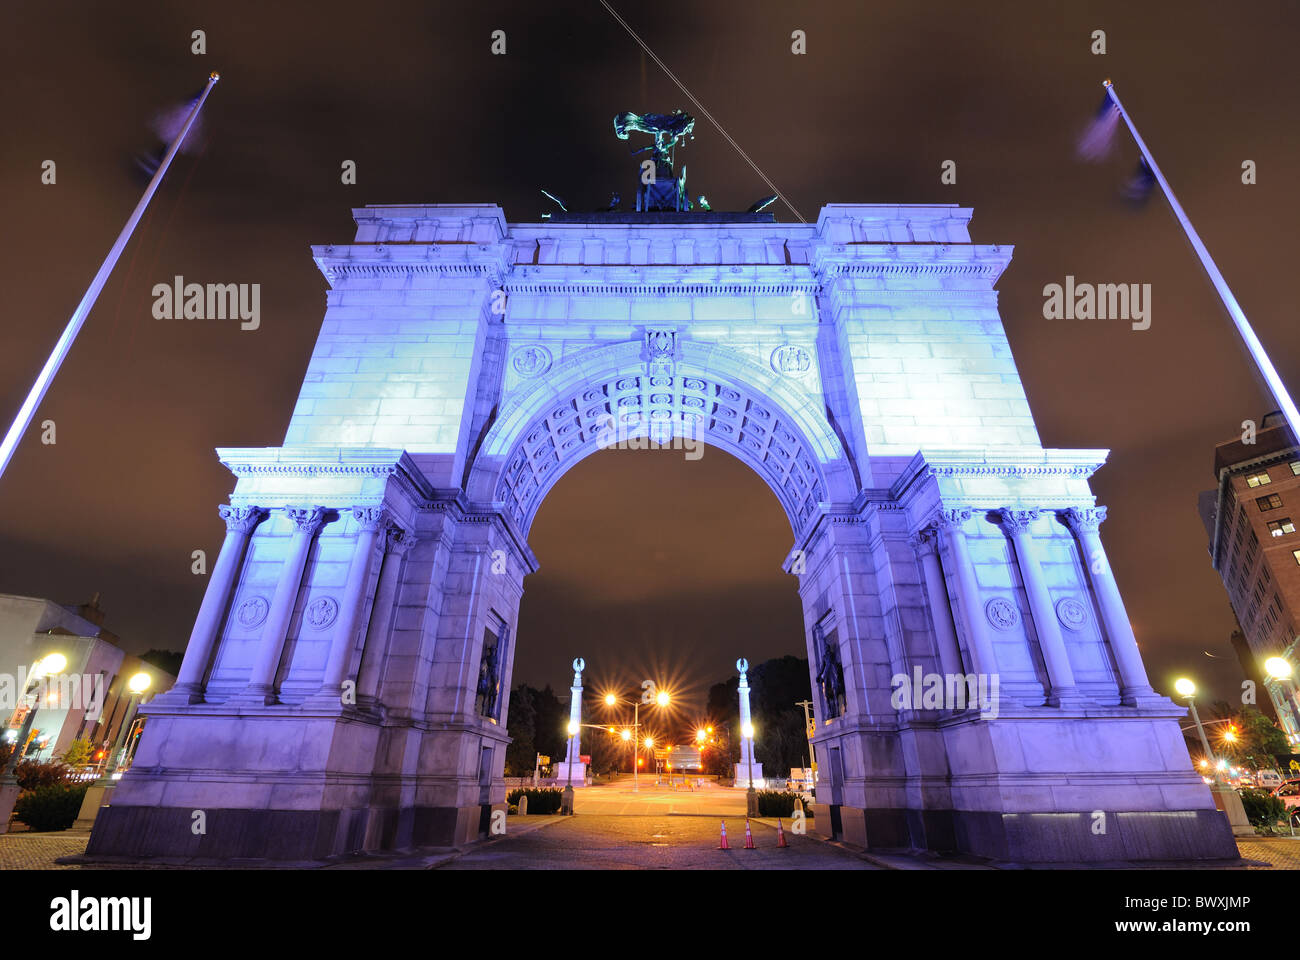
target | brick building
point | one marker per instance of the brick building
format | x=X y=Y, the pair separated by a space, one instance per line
x=1251 y=521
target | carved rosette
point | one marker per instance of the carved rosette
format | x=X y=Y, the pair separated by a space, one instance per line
x=1002 y=613
x=531 y=361
x=252 y=612
x=321 y=612
x=1085 y=519
x=306 y=519
x=1072 y=613
x=242 y=519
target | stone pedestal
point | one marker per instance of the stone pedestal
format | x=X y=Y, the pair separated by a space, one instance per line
x=97 y=796
x=1229 y=802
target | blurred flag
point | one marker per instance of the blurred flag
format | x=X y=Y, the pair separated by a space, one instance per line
x=1140 y=186
x=166 y=125
x=1096 y=141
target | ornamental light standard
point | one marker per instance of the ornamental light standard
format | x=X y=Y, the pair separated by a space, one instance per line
x=137 y=685
x=661 y=699
x=1225 y=798
x=1279 y=668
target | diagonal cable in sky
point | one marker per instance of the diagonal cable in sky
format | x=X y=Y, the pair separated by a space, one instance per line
x=700 y=107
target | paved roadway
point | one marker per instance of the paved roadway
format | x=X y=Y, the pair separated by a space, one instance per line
x=619 y=798
x=663 y=842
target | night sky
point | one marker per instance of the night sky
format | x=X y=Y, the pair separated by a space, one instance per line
x=651 y=565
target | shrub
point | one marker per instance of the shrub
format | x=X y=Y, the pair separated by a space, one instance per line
x=32 y=774
x=52 y=807
x=1262 y=809
x=778 y=803
x=540 y=799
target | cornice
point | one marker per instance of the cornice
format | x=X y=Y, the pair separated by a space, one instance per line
x=339 y=262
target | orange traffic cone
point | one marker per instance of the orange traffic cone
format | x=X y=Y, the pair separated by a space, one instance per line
x=724 y=845
x=749 y=837
x=780 y=834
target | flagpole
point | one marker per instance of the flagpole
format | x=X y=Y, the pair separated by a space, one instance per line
x=28 y=410
x=1265 y=365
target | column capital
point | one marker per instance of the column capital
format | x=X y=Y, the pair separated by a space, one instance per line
x=397 y=539
x=306 y=519
x=1016 y=522
x=951 y=518
x=924 y=540
x=372 y=518
x=1085 y=519
x=241 y=519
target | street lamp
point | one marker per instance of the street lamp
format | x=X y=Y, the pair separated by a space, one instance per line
x=137 y=685
x=1226 y=799
x=1280 y=670
x=632 y=736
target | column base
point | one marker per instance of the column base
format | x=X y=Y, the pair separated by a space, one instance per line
x=180 y=695
x=254 y=695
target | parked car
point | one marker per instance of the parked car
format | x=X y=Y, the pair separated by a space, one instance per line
x=1268 y=779
x=1289 y=794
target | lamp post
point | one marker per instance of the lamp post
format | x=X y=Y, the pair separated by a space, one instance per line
x=1279 y=668
x=661 y=699
x=48 y=666
x=137 y=685
x=1225 y=798
x=1187 y=689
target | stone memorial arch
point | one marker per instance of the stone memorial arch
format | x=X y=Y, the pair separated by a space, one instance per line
x=346 y=683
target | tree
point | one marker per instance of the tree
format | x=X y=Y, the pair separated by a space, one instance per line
x=522 y=752
x=168 y=661
x=536 y=723
x=1256 y=741
x=78 y=753
x=781 y=741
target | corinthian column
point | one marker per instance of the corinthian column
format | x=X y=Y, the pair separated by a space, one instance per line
x=396 y=543
x=925 y=542
x=1050 y=640
x=949 y=522
x=240 y=522
x=372 y=521
x=261 y=684
x=1134 y=685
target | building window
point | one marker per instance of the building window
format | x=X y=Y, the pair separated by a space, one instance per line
x=1271 y=502
x=1295 y=467
x=1280 y=528
x=1258 y=479
x=1296 y=554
